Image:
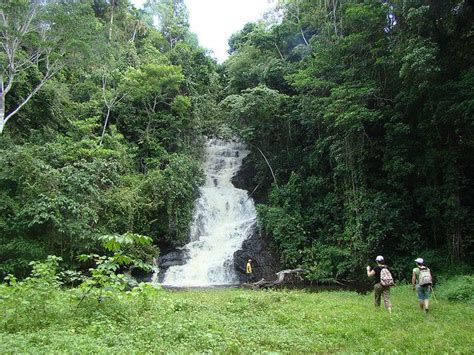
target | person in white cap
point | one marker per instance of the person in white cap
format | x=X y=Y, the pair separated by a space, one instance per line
x=422 y=282
x=383 y=281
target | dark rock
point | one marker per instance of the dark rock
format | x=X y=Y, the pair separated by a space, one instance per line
x=172 y=258
x=141 y=275
x=264 y=263
x=244 y=179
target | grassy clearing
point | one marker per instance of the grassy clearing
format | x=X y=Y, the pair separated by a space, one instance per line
x=230 y=321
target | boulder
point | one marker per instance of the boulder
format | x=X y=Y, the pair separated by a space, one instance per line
x=264 y=263
x=174 y=257
x=140 y=275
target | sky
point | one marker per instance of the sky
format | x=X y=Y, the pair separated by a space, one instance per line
x=214 y=21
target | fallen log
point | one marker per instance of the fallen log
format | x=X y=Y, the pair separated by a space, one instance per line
x=284 y=277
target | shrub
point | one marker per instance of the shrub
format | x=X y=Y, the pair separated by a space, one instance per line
x=459 y=288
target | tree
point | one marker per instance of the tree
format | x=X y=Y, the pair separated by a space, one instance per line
x=171 y=17
x=146 y=116
x=39 y=39
x=154 y=85
x=292 y=12
x=111 y=95
x=60 y=187
x=378 y=155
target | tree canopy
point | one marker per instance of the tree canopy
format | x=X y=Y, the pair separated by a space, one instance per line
x=364 y=111
x=358 y=113
x=107 y=145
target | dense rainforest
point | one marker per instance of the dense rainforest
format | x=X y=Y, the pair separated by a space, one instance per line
x=359 y=115
x=365 y=112
x=110 y=142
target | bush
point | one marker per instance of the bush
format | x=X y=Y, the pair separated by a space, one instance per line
x=459 y=288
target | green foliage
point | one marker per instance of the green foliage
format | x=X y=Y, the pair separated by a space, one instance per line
x=358 y=115
x=154 y=82
x=459 y=288
x=114 y=243
x=172 y=19
x=358 y=107
x=110 y=145
x=36 y=296
x=231 y=321
x=55 y=190
x=38 y=41
x=105 y=278
x=44 y=274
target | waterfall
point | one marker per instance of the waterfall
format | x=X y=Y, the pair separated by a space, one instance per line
x=222 y=221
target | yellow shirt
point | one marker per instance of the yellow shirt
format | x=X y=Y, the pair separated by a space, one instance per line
x=249 y=268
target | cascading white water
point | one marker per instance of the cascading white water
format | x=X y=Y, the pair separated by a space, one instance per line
x=223 y=219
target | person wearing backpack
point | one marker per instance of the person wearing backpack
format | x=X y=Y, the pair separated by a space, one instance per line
x=422 y=280
x=383 y=282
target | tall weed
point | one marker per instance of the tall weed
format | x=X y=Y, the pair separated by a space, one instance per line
x=459 y=288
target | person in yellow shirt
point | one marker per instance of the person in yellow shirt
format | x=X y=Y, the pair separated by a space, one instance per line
x=248 y=270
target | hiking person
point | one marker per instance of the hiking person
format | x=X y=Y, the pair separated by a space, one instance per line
x=383 y=281
x=422 y=282
x=248 y=270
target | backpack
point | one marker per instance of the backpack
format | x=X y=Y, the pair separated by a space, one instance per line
x=386 y=278
x=425 y=278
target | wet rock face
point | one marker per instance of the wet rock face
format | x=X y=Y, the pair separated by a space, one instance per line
x=243 y=179
x=264 y=262
x=174 y=257
x=256 y=247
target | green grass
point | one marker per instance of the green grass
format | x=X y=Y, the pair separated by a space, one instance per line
x=229 y=321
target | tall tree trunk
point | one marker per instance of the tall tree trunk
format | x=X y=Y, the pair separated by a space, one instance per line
x=334 y=17
x=304 y=37
x=2 y=112
x=269 y=166
x=135 y=30
x=278 y=50
x=112 y=4
x=105 y=125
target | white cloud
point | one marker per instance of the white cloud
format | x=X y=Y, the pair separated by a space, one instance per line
x=214 y=21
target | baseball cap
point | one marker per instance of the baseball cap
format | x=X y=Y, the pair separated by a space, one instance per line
x=379 y=258
x=419 y=261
